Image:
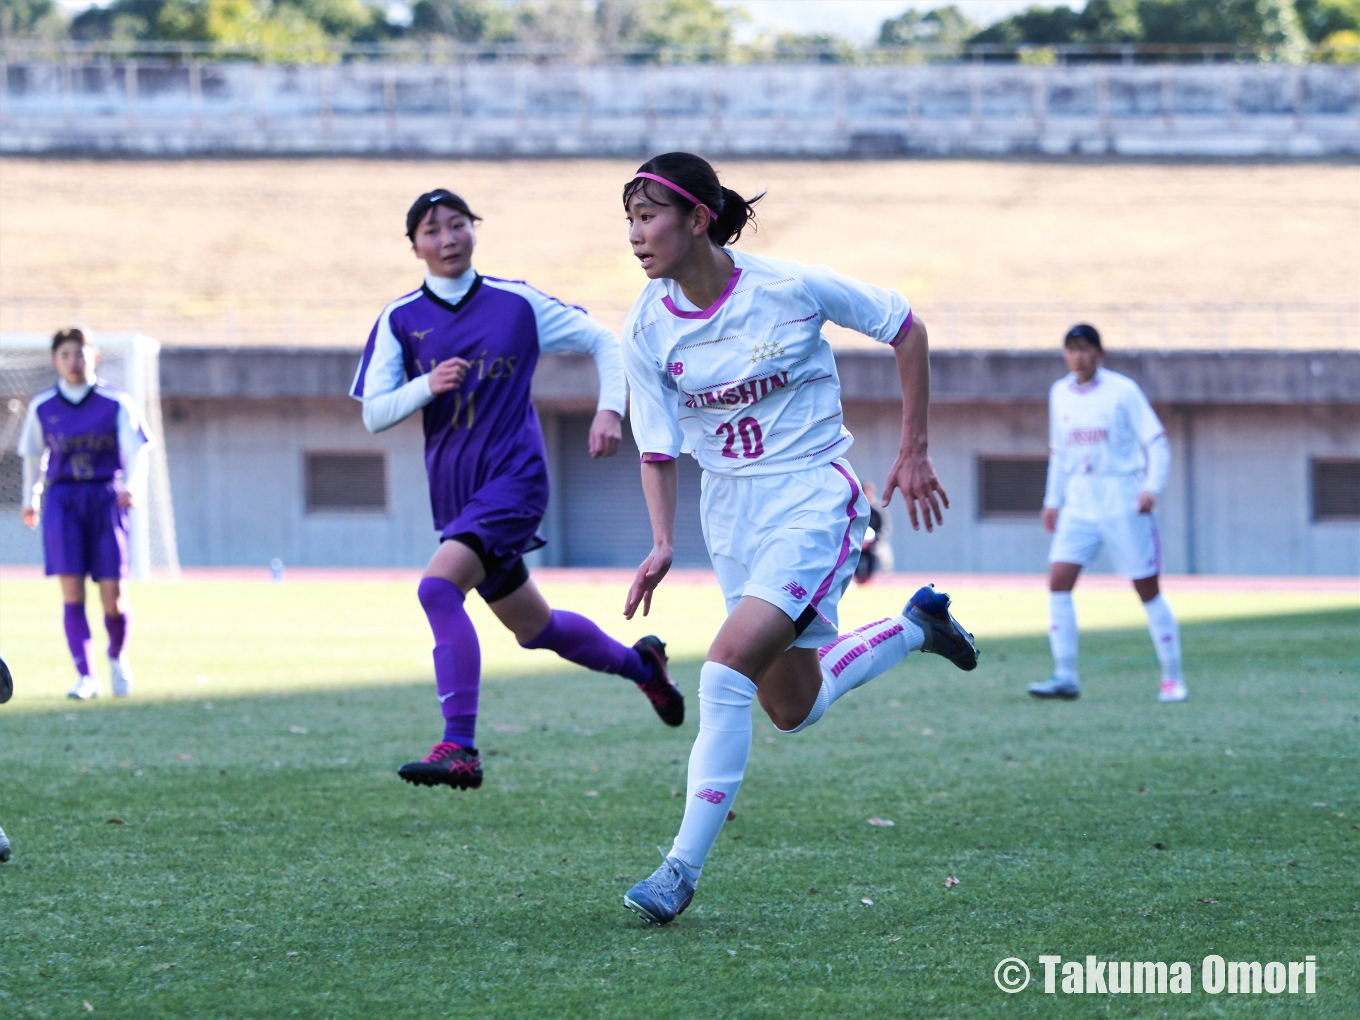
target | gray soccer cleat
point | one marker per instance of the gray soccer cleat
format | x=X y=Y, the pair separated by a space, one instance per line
x=662 y=897
x=4 y=847
x=929 y=610
x=1054 y=687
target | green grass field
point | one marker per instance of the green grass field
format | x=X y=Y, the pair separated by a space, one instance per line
x=266 y=862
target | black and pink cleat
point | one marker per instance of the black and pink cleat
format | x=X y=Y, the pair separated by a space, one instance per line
x=661 y=692
x=447 y=764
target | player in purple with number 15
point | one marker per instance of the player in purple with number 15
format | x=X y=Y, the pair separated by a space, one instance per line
x=462 y=350
x=81 y=445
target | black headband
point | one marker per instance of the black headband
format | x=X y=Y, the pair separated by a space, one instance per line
x=427 y=201
x=1082 y=331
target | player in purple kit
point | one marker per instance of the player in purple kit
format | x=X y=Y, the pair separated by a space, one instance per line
x=81 y=445
x=462 y=350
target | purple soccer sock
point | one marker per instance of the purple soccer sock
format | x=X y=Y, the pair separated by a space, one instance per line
x=457 y=658
x=579 y=640
x=117 y=626
x=78 y=636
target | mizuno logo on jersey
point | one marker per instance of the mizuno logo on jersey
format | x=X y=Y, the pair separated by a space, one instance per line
x=747 y=393
x=421 y=334
x=1087 y=437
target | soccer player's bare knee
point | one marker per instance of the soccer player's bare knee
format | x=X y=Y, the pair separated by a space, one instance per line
x=1148 y=588
x=1063 y=576
x=111 y=595
x=788 y=690
x=458 y=564
x=72 y=589
x=524 y=612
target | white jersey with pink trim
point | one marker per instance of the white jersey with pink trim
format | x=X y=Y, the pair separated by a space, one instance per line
x=749 y=385
x=1106 y=444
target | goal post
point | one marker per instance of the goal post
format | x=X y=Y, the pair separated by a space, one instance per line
x=128 y=362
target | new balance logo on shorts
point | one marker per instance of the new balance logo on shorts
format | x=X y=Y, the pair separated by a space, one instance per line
x=796 y=590
x=711 y=795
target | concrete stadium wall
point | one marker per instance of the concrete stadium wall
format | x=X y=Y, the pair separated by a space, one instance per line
x=1244 y=427
x=519 y=108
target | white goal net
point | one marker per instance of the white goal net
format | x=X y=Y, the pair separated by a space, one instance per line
x=129 y=362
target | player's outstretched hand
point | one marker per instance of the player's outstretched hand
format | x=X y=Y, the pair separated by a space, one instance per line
x=648 y=576
x=448 y=375
x=1146 y=502
x=125 y=500
x=30 y=517
x=1050 y=519
x=606 y=431
x=914 y=476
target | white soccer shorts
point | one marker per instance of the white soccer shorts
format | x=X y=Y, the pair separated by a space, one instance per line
x=791 y=540
x=1131 y=539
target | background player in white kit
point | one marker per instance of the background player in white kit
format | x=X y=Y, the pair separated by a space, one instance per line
x=1108 y=462
x=726 y=359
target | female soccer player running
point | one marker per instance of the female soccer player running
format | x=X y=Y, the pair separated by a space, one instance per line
x=91 y=441
x=462 y=349
x=1107 y=465
x=726 y=359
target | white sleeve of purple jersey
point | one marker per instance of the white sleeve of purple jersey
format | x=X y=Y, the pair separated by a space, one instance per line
x=30 y=435
x=380 y=381
x=563 y=327
x=1153 y=437
x=873 y=311
x=131 y=438
x=654 y=402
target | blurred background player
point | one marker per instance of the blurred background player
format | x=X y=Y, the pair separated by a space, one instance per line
x=726 y=358
x=1107 y=464
x=462 y=350
x=81 y=445
x=6 y=692
x=875 y=555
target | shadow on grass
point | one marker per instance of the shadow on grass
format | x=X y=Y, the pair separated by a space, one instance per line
x=265 y=861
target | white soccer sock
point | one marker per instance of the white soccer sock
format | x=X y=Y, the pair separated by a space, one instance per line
x=852 y=660
x=717 y=762
x=1166 y=637
x=1062 y=634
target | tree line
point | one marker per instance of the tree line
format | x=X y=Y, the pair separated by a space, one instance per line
x=687 y=29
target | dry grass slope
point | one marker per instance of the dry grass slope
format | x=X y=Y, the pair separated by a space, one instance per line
x=309 y=251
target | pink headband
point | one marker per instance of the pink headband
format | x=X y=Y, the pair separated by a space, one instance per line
x=679 y=191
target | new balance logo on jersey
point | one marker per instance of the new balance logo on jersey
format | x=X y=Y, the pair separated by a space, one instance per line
x=711 y=795
x=796 y=590
x=675 y=367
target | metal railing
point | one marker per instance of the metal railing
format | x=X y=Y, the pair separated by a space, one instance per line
x=976 y=325
x=442 y=50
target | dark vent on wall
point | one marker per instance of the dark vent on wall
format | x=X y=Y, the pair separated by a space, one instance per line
x=11 y=479
x=1336 y=490
x=1011 y=486
x=346 y=483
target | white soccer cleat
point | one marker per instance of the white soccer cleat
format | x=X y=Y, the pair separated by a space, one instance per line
x=1173 y=690
x=120 y=677
x=86 y=687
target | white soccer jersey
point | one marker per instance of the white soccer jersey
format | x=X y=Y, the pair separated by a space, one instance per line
x=749 y=385
x=1106 y=444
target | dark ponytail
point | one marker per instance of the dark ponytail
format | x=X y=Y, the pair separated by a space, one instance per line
x=697 y=176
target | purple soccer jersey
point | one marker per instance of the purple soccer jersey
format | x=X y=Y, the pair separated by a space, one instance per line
x=484 y=452
x=84 y=529
x=81 y=438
